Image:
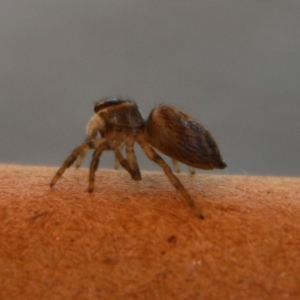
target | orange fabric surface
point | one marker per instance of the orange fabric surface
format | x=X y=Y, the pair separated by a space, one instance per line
x=139 y=240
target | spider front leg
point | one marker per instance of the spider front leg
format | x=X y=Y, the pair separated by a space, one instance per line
x=77 y=152
x=95 y=162
x=152 y=155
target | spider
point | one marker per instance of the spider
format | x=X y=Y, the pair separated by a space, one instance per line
x=168 y=129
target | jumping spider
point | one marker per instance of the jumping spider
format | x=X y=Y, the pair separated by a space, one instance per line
x=167 y=129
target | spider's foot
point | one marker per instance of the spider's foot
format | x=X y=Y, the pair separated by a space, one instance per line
x=91 y=187
x=198 y=213
x=136 y=176
x=53 y=182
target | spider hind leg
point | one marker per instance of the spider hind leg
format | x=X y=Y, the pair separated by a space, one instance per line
x=152 y=155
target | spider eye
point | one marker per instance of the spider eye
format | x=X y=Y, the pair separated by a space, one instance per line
x=104 y=103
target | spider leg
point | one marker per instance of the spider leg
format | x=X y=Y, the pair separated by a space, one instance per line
x=117 y=160
x=176 y=165
x=92 y=133
x=77 y=152
x=192 y=170
x=131 y=158
x=177 y=169
x=105 y=145
x=152 y=155
x=81 y=157
x=130 y=165
x=122 y=161
x=125 y=164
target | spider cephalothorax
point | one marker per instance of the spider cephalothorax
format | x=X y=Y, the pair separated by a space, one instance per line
x=167 y=129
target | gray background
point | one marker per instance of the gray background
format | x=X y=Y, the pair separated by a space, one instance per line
x=234 y=65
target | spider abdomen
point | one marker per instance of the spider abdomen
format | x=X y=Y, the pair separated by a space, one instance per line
x=179 y=136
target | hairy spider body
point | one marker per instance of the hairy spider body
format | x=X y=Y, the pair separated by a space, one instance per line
x=167 y=129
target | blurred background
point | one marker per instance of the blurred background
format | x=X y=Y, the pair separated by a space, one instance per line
x=233 y=65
